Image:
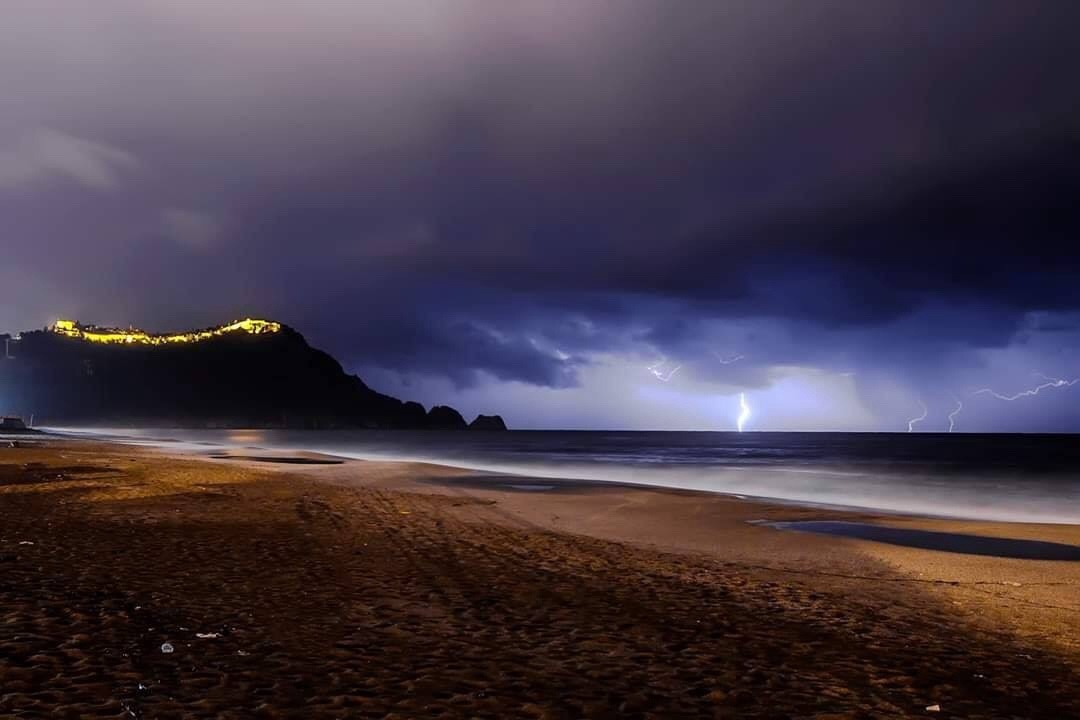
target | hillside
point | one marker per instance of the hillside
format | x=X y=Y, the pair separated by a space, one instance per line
x=251 y=373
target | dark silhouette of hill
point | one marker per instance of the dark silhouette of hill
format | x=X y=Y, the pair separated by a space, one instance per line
x=219 y=378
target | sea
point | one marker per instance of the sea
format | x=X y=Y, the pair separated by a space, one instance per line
x=1001 y=477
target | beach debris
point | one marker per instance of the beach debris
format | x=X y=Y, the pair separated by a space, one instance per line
x=933 y=708
x=167 y=648
x=405 y=512
x=26 y=542
x=207 y=636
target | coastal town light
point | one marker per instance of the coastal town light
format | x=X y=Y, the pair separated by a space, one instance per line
x=131 y=336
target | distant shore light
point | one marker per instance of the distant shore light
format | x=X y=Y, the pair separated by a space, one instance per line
x=91 y=333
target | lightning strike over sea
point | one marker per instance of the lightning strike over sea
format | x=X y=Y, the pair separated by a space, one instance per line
x=916 y=420
x=744 y=412
x=954 y=413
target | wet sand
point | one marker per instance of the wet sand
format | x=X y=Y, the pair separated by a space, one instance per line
x=961 y=543
x=315 y=590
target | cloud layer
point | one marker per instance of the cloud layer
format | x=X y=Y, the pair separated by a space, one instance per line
x=529 y=200
x=46 y=155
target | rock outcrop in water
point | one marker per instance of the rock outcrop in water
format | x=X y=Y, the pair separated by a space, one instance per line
x=251 y=373
x=12 y=424
x=444 y=417
x=487 y=423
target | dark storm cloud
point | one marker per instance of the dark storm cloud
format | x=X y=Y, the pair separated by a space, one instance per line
x=507 y=191
x=995 y=226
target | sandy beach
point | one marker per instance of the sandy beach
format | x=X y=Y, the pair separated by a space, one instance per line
x=140 y=584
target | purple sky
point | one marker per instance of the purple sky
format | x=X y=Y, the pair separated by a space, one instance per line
x=543 y=208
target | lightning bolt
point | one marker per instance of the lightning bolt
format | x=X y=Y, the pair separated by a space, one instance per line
x=1031 y=392
x=727 y=360
x=658 y=371
x=954 y=413
x=914 y=421
x=744 y=412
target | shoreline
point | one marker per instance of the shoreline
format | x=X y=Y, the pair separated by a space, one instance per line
x=480 y=479
x=370 y=588
x=309 y=455
x=1035 y=597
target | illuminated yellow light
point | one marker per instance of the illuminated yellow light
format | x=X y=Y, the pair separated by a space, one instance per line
x=70 y=328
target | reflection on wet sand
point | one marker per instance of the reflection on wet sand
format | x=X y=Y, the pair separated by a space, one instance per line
x=935 y=540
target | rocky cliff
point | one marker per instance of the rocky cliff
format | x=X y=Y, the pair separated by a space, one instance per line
x=247 y=374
